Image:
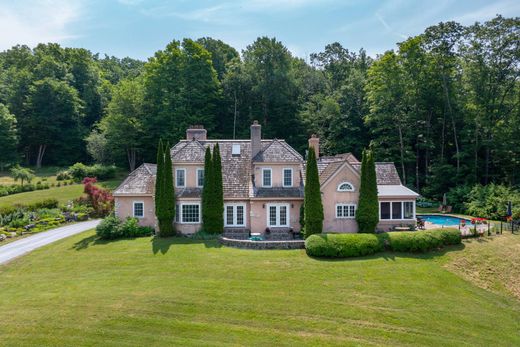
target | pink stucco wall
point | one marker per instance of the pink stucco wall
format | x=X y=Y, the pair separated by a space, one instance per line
x=277 y=173
x=124 y=208
x=191 y=173
x=331 y=197
x=259 y=210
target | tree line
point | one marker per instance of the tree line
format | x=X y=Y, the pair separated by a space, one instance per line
x=443 y=105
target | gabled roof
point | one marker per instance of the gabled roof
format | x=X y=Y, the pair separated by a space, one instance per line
x=141 y=181
x=386 y=173
x=236 y=168
x=278 y=151
x=395 y=191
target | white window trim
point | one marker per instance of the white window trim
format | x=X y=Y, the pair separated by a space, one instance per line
x=283 y=177
x=278 y=225
x=348 y=190
x=181 y=218
x=348 y=205
x=133 y=209
x=402 y=210
x=270 y=174
x=197 y=177
x=235 y=215
x=176 y=181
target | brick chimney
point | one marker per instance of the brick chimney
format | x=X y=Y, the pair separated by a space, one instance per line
x=256 y=138
x=196 y=132
x=314 y=142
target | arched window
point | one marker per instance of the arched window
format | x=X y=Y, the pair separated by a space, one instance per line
x=345 y=187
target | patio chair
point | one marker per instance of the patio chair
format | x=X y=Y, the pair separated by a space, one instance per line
x=449 y=209
x=420 y=224
x=440 y=209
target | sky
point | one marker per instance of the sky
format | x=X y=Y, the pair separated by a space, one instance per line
x=138 y=28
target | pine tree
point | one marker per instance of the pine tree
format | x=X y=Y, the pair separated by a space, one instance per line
x=313 y=206
x=367 y=214
x=169 y=194
x=218 y=192
x=207 y=191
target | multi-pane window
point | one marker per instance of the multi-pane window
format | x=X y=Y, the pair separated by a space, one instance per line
x=267 y=177
x=190 y=213
x=138 y=209
x=287 y=177
x=345 y=211
x=234 y=215
x=200 y=177
x=278 y=215
x=180 y=177
x=397 y=210
x=345 y=187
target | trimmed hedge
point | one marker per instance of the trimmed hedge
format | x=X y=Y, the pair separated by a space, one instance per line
x=355 y=245
x=343 y=245
x=79 y=171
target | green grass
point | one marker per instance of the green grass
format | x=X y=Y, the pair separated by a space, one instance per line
x=63 y=194
x=164 y=292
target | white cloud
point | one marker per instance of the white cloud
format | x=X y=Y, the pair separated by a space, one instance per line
x=32 y=22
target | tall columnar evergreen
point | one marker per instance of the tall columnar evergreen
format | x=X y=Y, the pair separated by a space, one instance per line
x=207 y=191
x=164 y=191
x=169 y=193
x=367 y=214
x=218 y=191
x=313 y=206
x=159 y=207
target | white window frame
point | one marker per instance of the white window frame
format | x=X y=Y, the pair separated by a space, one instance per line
x=402 y=210
x=270 y=177
x=345 y=190
x=235 y=215
x=181 y=218
x=348 y=205
x=177 y=180
x=197 y=177
x=133 y=209
x=283 y=177
x=278 y=225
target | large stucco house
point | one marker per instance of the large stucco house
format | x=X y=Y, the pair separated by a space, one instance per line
x=263 y=186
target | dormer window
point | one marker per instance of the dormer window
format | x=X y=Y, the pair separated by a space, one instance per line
x=267 y=180
x=180 y=178
x=345 y=187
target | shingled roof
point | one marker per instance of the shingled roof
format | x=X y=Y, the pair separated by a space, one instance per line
x=386 y=173
x=278 y=151
x=141 y=181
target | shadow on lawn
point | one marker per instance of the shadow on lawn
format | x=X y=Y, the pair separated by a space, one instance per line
x=163 y=244
x=159 y=244
x=391 y=256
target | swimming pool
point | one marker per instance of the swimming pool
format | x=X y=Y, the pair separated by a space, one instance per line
x=443 y=220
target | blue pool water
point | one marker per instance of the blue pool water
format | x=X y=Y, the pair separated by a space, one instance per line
x=443 y=220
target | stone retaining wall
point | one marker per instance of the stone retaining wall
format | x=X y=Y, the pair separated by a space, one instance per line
x=248 y=244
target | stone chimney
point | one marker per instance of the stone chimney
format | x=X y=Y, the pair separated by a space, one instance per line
x=256 y=138
x=196 y=132
x=314 y=142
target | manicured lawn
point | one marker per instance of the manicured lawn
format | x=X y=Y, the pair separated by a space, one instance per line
x=63 y=194
x=147 y=292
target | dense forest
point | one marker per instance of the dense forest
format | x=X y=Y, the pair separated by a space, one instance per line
x=444 y=105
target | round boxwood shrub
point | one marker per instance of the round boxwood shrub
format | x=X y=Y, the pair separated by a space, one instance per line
x=109 y=229
x=342 y=245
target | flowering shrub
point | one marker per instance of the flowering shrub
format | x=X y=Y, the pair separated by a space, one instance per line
x=100 y=199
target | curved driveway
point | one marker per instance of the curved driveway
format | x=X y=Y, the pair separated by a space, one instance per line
x=26 y=245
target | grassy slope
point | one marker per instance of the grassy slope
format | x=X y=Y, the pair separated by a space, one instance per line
x=146 y=292
x=492 y=263
x=63 y=194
